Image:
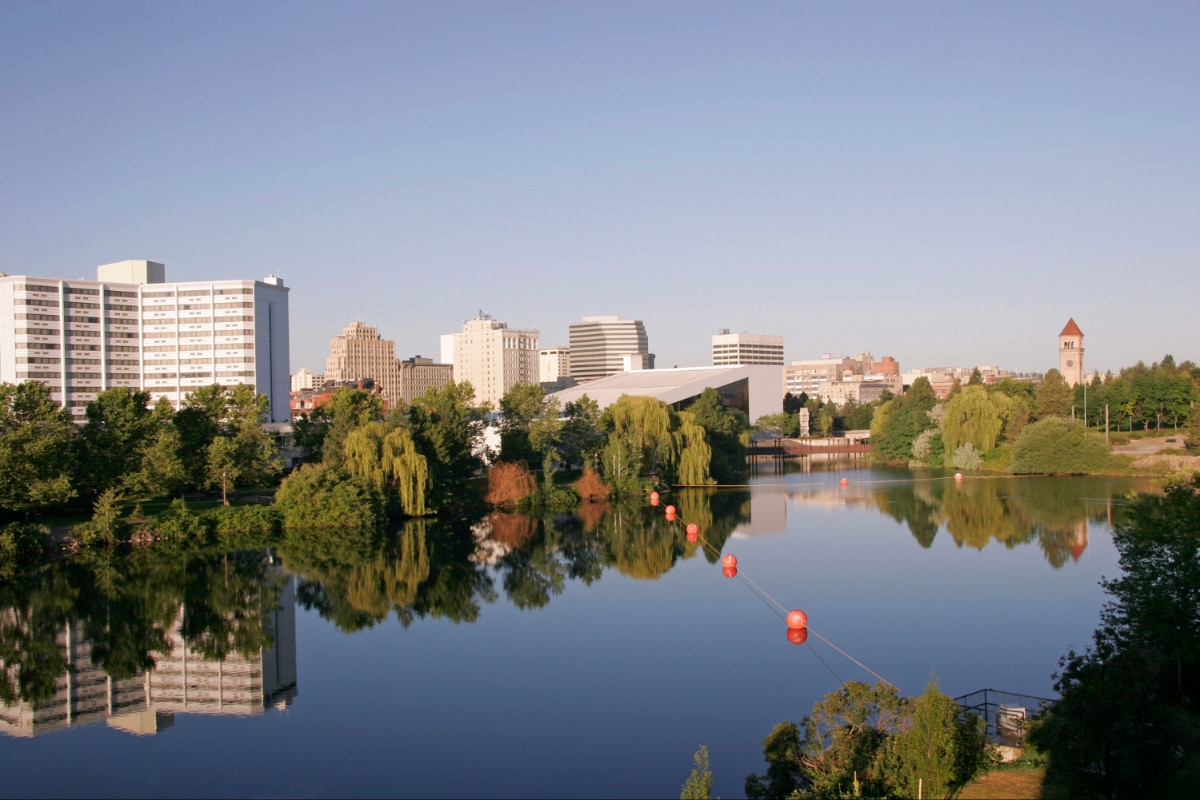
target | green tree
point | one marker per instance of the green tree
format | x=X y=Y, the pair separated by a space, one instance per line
x=1054 y=397
x=519 y=407
x=646 y=424
x=899 y=421
x=199 y=423
x=581 y=437
x=1126 y=723
x=976 y=378
x=389 y=460
x=323 y=431
x=118 y=424
x=447 y=428
x=243 y=454
x=783 y=777
x=973 y=417
x=38 y=446
x=924 y=756
x=160 y=467
x=725 y=430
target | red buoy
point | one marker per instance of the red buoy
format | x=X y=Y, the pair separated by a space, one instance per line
x=845 y=482
x=692 y=537
x=958 y=477
x=729 y=572
x=670 y=510
x=797 y=619
x=797 y=635
x=729 y=560
x=693 y=528
x=670 y=515
x=654 y=498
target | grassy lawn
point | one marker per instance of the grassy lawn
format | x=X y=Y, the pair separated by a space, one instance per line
x=1010 y=783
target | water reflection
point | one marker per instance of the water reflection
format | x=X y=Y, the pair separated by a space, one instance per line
x=133 y=639
x=155 y=632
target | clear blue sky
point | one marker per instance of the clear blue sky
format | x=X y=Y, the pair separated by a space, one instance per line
x=946 y=183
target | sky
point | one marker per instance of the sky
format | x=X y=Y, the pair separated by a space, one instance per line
x=945 y=183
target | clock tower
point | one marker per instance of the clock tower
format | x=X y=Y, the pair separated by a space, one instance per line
x=1070 y=353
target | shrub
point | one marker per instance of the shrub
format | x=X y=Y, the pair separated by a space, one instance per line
x=508 y=484
x=967 y=456
x=178 y=523
x=322 y=496
x=1059 y=446
x=590 y=487
x=254 y=519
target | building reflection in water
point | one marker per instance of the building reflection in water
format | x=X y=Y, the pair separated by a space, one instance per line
x=182 y=681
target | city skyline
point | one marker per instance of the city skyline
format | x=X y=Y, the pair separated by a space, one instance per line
x=945 y=183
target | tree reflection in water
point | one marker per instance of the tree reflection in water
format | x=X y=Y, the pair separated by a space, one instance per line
x=1054 y=512
x=128 y=608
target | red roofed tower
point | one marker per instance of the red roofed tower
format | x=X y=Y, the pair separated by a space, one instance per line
x=1070 y=353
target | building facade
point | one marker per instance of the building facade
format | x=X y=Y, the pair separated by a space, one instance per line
x=732 y=349
x=598 y=344
x=554 y=363
x=360 y=352
x=419 y=375
x=820 y=377
x=132 y=328
x=304 y=378
x=491 y=356
x=1070 y=353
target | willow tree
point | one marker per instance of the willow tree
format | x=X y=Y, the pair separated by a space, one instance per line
x=973 y=417
x=693 y=452
x=389 y=460
x=646 y=424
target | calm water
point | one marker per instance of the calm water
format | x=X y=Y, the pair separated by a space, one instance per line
x=514 y=657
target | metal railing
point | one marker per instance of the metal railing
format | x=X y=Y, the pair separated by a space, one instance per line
x=1004 y=714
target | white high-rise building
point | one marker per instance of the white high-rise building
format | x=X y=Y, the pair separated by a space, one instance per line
x=733 y=349
x=598 y=344
x=554 y=363
x=304 y=378
x=491 y=356
x=132 y=328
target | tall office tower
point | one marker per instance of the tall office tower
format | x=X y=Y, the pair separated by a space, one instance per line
x=734 y=349
x=598 y=343
x=554 y=363
x=359 y=352
x=132 y=328
x=491 y=356
x=419 y=375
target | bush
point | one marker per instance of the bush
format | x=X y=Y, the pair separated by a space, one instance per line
x=967 y=456
x=1059 y=446
x=178 y=523
x=253 y=519
x=322 y=496
x=20 y=543
x=508 y=484
x=108 y=525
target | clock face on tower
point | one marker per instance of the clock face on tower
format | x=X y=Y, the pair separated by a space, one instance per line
x=1070 y=362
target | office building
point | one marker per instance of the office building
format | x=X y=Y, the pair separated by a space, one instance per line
x=132 y=328
x=598 y=344
x=554 y=363
x=816 y=377
x=491 y=356
x=419 y=375
x=358 y=353
x=732 y=349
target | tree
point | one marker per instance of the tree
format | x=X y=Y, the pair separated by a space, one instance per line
x=1126 y=723
x=645 y=423
x=38 y=446
x=699 y=784
x=792 y=404
x=1054 y=397
x=973 y=417
x=114 y=436
x=388 y=459
x=899 y=421
x=160 y=469
x=198 y=423
x=447 y=428
x=725 y=430
x=323 y=431
x=519 y=407
x=243 y=454
x=581 y=437
x=976 y=378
